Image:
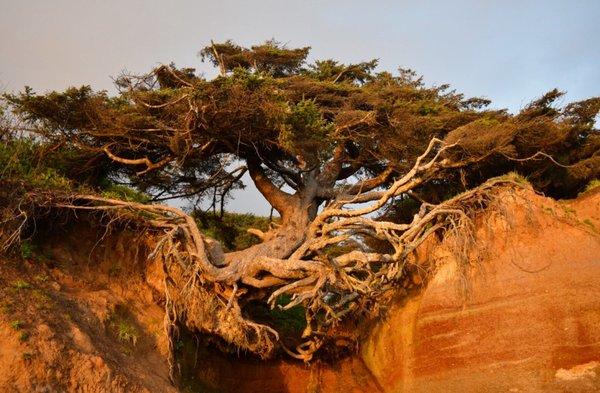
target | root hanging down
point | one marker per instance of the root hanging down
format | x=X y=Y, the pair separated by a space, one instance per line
x=209 y=297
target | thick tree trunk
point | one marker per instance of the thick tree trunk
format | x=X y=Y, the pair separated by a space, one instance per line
x=281 y=242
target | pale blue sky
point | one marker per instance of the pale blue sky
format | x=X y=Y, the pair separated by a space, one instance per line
x=508 y=51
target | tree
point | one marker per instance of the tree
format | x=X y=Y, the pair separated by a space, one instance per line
x=329 y=145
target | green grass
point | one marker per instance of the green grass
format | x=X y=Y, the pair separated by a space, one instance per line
x=41 y=278
x=28 y=249
x=230 y=229
x=31 y=251
x=124 y=193
x=126 y=332
x=122 y=327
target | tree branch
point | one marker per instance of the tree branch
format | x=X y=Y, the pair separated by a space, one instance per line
x=369 y=184
x=138 y=161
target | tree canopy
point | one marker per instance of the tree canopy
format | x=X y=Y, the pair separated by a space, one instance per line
x=172 y=132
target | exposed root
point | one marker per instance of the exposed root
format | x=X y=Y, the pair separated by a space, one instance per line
x=208 y=297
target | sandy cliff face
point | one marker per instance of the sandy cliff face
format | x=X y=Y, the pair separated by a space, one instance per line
x=528 y=322
x=71 y=312
x=523 y=317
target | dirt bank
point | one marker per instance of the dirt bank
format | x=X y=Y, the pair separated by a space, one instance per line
x=85 y=314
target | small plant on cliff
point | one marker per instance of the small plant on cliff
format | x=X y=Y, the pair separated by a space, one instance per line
x=119 y=322
x=126 y=332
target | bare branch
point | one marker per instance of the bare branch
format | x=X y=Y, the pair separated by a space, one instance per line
x=150 y=166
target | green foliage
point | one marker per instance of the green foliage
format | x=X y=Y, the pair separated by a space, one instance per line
x=124 y=193
x=271 y=57
x=335 y=250
x=172 y=133
x=331 y=70
x=23 y=159
x=230 y=229
x=69 y=110
x=126 y=332
x=289 y=321
x=120 y=323
x=304 y=126
x=247 y=79
x=31 y=251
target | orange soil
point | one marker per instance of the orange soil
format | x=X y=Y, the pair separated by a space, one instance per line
x=530 y=320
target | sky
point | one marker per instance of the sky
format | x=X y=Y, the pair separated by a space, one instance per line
x=507 y=51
